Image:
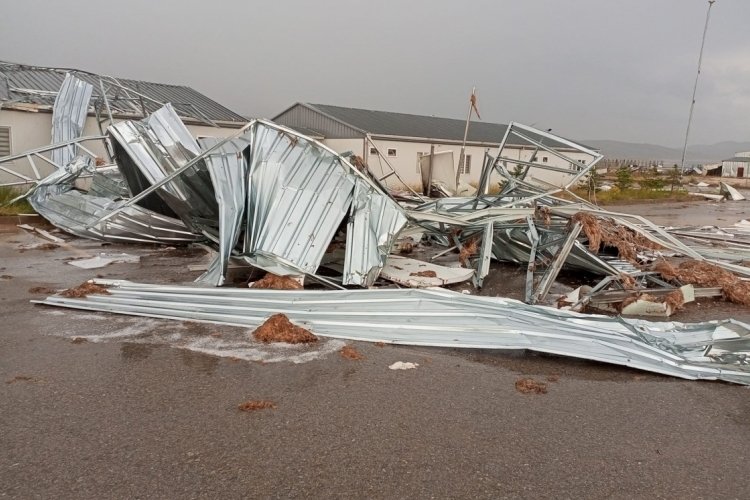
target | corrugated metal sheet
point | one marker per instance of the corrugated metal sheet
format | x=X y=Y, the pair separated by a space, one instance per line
x=374 y=223
x=187 y=101
x=158 y=146
x=436 y=317
x=298 y=195
x=69 y=117
x=228 y=169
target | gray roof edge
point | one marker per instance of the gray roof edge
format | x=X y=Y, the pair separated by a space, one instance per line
x=314 y=106
x=327 y=115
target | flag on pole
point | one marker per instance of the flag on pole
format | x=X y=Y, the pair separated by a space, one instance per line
x=473 y=100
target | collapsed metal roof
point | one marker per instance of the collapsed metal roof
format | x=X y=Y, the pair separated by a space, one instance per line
x=126 y=97
x=276 y=200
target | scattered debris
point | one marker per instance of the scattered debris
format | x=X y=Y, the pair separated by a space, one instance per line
x=47 y=246
x=42 y=290
x=401 y=365
x=38 y=246
x=273 y=282
x=6 y=277
x=424 y=274
x=23 y=378
x=704 y=274
x=278 y=328
x=43 y=234
x=254 y=405
x=311 y=208
x=530 y=386
x=350 y=352
x=105 y=259
x=419 y=274
x=184 y=251
x=553 y=378
x=79 y=340
x=84 y=289
x=405 y=247
x=650 y=305
x=729 y=192
x=467 y=251
x=601 y=231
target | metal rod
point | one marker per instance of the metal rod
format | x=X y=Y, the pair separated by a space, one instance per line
x=461 y=157
x=556 y=265
x=428 y=191
x=695 y=86
x=49 y=147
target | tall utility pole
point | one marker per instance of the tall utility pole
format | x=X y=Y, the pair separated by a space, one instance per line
x=695 y=87
x=462 y=157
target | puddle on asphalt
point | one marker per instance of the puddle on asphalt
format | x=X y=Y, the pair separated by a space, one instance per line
x=204 y=343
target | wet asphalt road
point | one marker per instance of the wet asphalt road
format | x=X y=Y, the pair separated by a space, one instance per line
x=126 y=419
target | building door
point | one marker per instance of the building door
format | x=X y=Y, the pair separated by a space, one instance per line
x=740 y=171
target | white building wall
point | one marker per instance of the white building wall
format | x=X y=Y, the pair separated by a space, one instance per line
x=29 y=130
x=405 y=161
x=735 y=168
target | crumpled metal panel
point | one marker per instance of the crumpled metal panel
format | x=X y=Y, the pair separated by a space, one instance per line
x=442 y=318
x=69 y=117
x=374 y=222
x=108 y=185
x=228 y=169
x=297 y=196
x=512 y=244
x=157 y=146
x=73 y=211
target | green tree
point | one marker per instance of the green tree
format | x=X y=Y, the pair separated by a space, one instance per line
x=651 y=179
x=624 y=178
x=517 y=170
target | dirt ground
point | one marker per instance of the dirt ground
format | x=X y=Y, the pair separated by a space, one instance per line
x=94 y=405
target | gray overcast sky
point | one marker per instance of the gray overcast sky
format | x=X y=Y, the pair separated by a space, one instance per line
x=589 y=69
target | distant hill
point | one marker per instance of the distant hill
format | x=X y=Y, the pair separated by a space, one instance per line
x=701 y=153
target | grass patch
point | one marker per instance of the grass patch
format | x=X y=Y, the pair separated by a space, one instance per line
x=7 y=193
x=634 y=195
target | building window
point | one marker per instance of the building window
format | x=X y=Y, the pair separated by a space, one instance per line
x=467 y=165
x=4 y=141
x=391 y=151
x=373 y=151
x=544 y=159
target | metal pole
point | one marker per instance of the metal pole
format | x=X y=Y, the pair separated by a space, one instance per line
x=428 y=191
x=695 y=86
x=463 y=144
